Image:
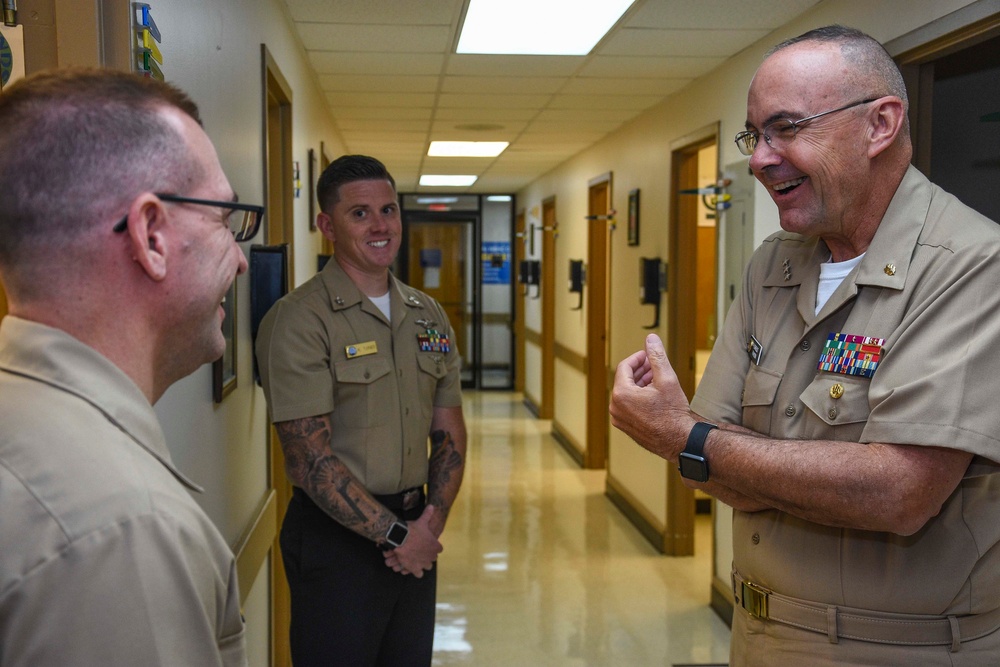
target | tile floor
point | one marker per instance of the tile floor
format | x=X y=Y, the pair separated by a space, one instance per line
x=539 y=568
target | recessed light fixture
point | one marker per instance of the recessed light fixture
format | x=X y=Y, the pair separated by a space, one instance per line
x=537 y=27
x=437 y=200
x=467 y=148
x=498 y=198
x=452 y=180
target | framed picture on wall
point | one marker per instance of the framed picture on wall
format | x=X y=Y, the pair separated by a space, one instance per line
x=224 y=368
x=633 y=217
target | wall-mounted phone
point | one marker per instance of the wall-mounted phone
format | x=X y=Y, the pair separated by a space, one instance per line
x=577 y=279
x=535 y=277
x=528 y=273
x=652 y=282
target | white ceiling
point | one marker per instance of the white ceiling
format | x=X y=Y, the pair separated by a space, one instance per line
x=394 y=83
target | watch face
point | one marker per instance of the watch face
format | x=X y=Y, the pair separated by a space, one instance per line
x=693 y=467
x=397 y=533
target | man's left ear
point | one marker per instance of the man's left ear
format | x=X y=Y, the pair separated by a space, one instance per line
x=887 y=121
x=146 y=227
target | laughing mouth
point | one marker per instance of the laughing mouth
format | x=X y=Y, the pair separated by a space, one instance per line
x=379 y=244
x=786 y=186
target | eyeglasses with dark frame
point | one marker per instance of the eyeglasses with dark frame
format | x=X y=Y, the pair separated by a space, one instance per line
x=781 y=132
x=243 y=219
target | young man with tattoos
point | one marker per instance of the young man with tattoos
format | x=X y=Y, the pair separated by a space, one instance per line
x=359 y=369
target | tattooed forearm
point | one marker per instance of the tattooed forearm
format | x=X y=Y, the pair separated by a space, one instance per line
x=447 y=461
x=444 y=466
x=313 y=467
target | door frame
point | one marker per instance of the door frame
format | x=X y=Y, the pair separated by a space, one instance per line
x=276 y=118
x=678 y=535
x=518 y=256
x=547 y=280
x=473 y=218
x=599 y=198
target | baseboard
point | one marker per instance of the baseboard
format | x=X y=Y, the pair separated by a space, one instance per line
x=531 y=404
x=568 y=443
x=648 y=526
x=252 y=547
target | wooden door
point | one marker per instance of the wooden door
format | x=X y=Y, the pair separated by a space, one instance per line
x=548 y=289
x=598 y=307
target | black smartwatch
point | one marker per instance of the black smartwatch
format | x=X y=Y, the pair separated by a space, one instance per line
x=397 y=534
x=692 y=462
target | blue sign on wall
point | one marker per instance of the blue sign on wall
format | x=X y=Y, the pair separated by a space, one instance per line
x=496 y=262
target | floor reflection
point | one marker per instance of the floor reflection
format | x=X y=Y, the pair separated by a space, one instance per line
x=539 y=568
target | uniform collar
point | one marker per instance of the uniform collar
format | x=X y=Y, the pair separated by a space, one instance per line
x=345 y=294
x=54 y=357
x=887 y=260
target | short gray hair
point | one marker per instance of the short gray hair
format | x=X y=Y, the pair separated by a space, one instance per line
x=76 y=146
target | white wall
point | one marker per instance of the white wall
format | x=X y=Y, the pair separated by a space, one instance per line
x=639 y=156
x=212 y=50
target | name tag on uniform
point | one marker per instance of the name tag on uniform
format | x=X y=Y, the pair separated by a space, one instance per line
x=755 y=350
x=361 y=349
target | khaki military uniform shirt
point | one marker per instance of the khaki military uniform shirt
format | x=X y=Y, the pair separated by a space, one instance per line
x=929 y=285
x=325 y=348
x=106 y=559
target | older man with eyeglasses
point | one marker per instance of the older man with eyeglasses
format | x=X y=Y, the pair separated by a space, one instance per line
x=845 y=413
x=106 y=558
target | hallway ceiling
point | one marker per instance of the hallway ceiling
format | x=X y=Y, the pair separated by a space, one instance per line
x=393 y=82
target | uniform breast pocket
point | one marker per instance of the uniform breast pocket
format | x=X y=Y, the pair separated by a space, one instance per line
x=358 y=394
x=432 y=369
x=759 y=390
x=839 y=400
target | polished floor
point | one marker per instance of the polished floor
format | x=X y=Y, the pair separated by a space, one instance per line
x=539 y=568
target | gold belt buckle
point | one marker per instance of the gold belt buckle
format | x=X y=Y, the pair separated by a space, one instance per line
x=755 y=600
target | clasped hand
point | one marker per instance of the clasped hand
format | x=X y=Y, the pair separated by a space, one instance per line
x=420 y=549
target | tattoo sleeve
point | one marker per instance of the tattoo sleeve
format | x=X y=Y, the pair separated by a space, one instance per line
x=446 y=465
x=312 y=466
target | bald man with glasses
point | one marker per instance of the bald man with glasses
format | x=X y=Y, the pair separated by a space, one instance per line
x=846 y=411
x=118 y=243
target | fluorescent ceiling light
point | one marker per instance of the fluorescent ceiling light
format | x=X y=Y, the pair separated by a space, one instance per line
x=538 y=27
x=467 y=148
x=437 y=200
x=498 y=198
x=447 y=180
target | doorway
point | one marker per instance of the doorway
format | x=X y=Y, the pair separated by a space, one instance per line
x=438 y=261
x=598 y=309
x=278 y=188
x=954 y=88
x=692 y=318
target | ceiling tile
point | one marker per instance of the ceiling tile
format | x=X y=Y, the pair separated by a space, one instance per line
x=424 y=12
x=397 y=64
x=359 y=82
x=374 y=38
x=643 y=42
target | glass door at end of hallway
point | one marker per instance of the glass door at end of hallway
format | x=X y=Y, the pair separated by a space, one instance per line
x=439 y=262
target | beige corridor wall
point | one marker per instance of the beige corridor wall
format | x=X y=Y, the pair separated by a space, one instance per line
x=212 y=50
x=638 y=155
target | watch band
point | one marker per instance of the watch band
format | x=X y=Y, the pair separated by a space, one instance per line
x=696 y=438
x=692 y=463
